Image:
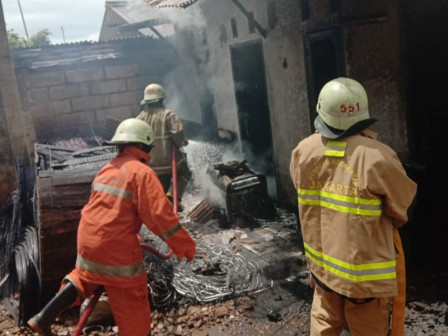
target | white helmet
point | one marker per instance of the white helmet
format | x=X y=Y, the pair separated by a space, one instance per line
x=342 y=108
x=132 y=130
x=153 y=92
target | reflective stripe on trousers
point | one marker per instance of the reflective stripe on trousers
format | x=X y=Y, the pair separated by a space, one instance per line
x=117 y=271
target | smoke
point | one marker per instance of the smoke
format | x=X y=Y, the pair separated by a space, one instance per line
x=261 y=162
x=202 y=156
x=188 y=88
x=188 y=80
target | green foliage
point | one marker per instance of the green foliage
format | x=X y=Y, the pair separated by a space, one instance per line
x=15 y=40
x=41 y=38
x=38 y=40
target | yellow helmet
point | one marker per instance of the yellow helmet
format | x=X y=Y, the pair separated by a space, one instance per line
x=153 y=92
x=342 y=108
x=132 y=130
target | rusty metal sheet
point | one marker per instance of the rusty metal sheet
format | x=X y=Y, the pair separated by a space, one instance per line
x=171 y=3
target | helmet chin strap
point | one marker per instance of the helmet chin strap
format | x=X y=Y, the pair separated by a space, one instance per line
x=334 y=133
x=152 y=102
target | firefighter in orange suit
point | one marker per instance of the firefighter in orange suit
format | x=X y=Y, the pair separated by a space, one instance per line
x=125 y=193
x=168 y=130
x=353 y=195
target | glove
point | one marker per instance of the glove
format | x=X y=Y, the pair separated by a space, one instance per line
x=190 y=254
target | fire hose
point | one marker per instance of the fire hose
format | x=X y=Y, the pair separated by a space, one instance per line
x=85 y=315
x=174 y=168
x=399 y=306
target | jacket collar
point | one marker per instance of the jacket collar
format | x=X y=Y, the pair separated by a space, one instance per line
x=135 y=153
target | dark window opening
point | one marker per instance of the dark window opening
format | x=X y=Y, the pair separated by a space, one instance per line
x=305 y=9
x=234 y=27
x=248 y=70
x=324 y=62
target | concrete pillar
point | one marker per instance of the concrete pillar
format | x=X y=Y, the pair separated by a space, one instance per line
x=15 y=139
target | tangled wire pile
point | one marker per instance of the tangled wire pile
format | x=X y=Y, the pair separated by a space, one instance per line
x=221 y=273
x=216 y=273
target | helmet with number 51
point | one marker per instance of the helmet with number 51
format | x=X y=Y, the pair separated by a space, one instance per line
x=342 y=109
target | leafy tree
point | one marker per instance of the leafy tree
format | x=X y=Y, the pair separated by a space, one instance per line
x=15 y=40
x=38 y=40
x=41 y=38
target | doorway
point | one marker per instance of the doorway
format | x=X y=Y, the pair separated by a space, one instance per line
x=252 y=104
x=426 y=47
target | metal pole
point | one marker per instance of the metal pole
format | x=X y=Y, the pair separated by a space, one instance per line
x=63 y=35
x=24 y=24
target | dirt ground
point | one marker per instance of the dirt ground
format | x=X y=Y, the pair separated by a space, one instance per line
x=281 y=310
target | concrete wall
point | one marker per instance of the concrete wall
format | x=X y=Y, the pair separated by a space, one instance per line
x=70 y=90
x=285 y=73
x=370 y=31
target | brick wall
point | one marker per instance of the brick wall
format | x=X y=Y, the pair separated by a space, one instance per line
x=69 y=90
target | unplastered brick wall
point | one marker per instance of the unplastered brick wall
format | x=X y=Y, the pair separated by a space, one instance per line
x=70 y=90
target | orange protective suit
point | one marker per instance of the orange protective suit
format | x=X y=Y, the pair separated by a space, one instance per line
x=125 y=193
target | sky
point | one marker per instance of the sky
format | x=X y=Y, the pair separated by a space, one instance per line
x=80 y=19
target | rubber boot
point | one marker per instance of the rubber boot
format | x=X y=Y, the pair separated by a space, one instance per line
x=41 y=322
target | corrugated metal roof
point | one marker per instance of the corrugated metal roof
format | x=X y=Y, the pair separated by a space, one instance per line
x=112 y=20
x=171 y=3
x=122 y=20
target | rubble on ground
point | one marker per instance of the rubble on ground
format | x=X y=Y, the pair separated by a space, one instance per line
x=249 y=277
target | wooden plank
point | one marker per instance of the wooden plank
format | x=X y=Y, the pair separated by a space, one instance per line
x=58 y=240
x=51 y=191
x=63 y=177
x=57 y=262
x=55 y=200
x=67 y=253
x=57 y=272
x=64 y=191
x=61 y=195
x=54 y=221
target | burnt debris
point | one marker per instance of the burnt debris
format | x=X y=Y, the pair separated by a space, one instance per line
x=245 y=190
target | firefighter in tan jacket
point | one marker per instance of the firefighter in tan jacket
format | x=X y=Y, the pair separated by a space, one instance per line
x=168 y=130
x=353 y=195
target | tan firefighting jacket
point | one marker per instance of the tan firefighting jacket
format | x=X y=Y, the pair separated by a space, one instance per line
x=167 y=128
x=125 y=193
x=351 y=193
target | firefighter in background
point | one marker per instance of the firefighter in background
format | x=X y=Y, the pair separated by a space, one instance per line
x=168 y=130
x=125 y=193
x=353 y=195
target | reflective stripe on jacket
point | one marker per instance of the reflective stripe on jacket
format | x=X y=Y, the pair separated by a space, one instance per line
x=167 y=128
x=351 y=192
x=125 y=194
